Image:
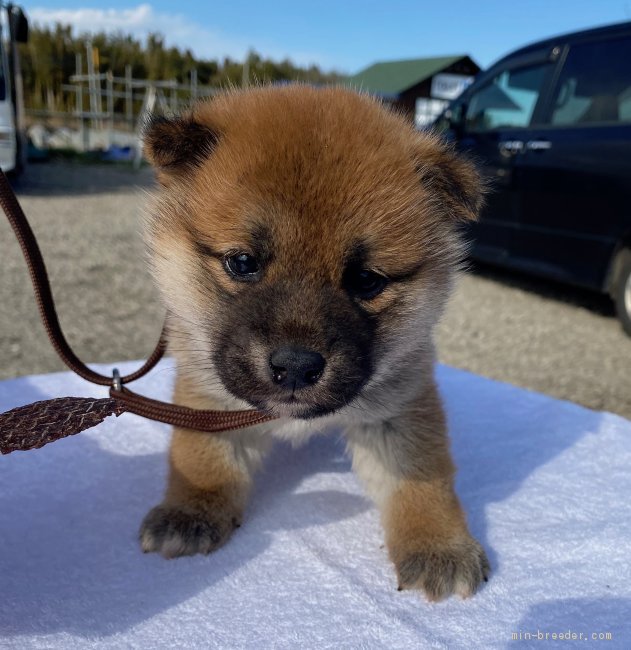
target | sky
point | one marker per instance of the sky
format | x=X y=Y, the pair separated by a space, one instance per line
x=336 y=34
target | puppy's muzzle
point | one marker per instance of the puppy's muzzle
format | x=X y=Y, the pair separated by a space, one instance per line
x=293 y=367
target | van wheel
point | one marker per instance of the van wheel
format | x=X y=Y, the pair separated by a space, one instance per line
x=622 y=290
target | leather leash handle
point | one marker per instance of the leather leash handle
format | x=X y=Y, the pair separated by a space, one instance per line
x=121 y=399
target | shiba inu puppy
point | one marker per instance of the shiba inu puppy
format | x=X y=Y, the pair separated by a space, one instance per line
x=304 y=242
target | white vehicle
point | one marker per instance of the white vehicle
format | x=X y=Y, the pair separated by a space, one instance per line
x=13 y=30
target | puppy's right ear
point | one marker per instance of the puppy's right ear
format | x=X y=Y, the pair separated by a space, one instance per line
x=178 y=144
x=450 y=176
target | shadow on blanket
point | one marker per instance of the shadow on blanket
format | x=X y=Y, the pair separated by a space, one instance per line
x=70 y=557
x=561 y=616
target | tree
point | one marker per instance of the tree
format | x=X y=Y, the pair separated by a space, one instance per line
x=49 y=60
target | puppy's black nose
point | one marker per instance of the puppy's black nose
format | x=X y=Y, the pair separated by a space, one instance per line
x=294 y=367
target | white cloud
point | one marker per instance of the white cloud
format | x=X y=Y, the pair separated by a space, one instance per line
x=177 y=29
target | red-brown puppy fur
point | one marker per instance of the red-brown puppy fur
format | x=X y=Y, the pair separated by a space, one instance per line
x=316 y=225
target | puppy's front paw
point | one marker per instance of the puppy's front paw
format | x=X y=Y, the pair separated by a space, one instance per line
x=173 y=530
x=442 y=570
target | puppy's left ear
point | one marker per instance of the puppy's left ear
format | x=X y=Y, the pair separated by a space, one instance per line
x=178 y=144
x=450 y=176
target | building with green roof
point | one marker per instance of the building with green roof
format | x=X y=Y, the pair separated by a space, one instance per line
x=419 y=87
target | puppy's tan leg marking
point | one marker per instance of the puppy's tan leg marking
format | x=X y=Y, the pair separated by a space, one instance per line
x=209 y=482
x=429 y=543
x=407 y=469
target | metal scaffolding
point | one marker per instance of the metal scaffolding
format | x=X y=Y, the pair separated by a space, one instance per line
x=141 y=96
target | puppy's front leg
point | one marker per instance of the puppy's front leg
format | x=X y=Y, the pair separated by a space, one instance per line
x=406 y=467
x=209 y=481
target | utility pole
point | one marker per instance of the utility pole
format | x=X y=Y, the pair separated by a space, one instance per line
x=129 y=97
x=245 y=72
x=110 y=107
x=194 y=84
x=85 y=134
x=95 y=99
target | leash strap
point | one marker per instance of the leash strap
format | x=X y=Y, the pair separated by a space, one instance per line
x=71 y=415
x=44 y=296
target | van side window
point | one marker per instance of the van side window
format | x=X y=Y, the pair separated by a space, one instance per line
x=595 y=84
x=508 y=100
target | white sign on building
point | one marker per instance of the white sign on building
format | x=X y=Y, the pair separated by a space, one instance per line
x=449 y=86
x=445 y=87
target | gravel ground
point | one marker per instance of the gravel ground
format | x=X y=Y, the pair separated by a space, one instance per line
x=86 y=221
x=535 y=334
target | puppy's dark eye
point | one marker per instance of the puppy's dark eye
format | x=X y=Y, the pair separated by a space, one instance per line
x=242 y=266
x=363 y=283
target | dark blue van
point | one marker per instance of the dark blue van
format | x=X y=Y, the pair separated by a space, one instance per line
x=550 y=125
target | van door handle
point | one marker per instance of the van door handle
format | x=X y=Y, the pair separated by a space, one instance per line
x=510 y=147
x=538 y=145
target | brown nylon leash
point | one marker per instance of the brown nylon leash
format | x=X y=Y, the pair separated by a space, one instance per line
x=46 y=421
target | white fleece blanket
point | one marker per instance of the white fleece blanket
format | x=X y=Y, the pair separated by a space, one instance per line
x=546 y=484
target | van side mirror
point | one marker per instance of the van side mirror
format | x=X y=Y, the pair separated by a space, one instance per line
x=18 y=24
x=456 y=118
x=450 y=123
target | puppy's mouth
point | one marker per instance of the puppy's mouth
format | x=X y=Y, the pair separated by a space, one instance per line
x=295 y=406
x=312 y=390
